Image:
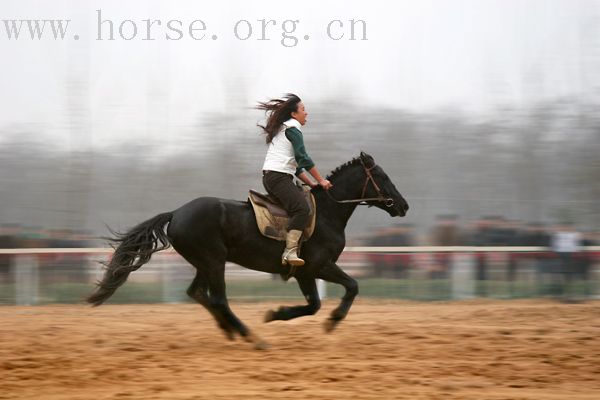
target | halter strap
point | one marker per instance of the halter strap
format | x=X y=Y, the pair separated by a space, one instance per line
x=362 y=201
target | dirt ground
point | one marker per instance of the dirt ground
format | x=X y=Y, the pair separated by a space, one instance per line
x=534 y=349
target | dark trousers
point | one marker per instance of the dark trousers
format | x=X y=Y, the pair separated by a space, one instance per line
x=282 y=187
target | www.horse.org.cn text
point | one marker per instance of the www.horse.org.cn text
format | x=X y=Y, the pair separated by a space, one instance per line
x=287 y=33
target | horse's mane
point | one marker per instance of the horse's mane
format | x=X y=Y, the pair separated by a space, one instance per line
x=342 y=167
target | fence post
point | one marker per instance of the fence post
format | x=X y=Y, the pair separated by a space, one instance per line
x=463 y=275
x=26 y=279
x=321 y=288
x=167 y=276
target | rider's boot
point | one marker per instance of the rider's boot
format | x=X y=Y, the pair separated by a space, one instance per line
x=290 y=254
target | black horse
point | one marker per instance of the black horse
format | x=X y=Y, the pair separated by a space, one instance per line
x=209 y=231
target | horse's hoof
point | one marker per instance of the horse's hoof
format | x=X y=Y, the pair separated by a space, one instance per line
x=228 y=332
x=229 y=335
x=270 y=316
x=330 y=324
x=261 y=345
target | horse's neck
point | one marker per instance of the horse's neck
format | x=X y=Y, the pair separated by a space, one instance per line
x=348 y=185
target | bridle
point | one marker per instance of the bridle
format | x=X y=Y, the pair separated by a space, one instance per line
x=389 y=202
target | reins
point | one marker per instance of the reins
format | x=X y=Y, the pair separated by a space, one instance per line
x=362 y=201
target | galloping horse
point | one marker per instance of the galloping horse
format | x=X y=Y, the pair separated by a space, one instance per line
x=209 y=231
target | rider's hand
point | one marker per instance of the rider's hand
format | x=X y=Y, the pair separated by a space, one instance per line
x=325 y=184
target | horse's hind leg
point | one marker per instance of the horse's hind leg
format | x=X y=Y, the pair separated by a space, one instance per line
x=309 y=290
x=198 y=291
x=333 y=273
x=218 y=301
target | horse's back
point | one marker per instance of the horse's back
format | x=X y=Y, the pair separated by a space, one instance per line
x=201 y=217
x=211 y=226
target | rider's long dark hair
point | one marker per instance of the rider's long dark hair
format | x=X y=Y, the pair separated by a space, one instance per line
x=278 y=111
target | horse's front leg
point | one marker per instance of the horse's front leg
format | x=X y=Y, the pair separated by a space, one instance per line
x=309 y=290
x=333 y=273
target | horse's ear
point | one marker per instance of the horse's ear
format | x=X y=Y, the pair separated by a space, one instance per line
x=367 y=159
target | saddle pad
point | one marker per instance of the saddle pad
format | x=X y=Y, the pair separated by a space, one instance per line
x=274 y=224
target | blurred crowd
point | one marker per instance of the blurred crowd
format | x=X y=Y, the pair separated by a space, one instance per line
x=561 y=262
x=486 y=231
x=14 y=236
x=60 y=267
x=446 y=231
x=558 y=264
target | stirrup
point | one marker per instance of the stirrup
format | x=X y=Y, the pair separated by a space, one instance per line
x=295 y=262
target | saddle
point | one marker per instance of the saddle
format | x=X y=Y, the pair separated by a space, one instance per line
x=272 y=219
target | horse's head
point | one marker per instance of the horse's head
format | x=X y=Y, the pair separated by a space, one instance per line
x=379 y=185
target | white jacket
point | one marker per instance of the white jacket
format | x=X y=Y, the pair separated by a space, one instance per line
x=280 y=154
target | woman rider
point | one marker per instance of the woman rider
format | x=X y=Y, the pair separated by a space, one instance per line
x=286 y=158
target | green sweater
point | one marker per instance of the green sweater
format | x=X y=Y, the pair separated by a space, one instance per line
x=304 y=161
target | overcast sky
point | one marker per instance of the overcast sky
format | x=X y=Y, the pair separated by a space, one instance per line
x=422 y=56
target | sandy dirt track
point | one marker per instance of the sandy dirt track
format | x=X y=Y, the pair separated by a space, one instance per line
x=532 y=349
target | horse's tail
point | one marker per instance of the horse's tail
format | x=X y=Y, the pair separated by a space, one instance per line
x=132 y=250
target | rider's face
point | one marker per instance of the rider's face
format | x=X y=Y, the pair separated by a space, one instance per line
x=300 y=114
